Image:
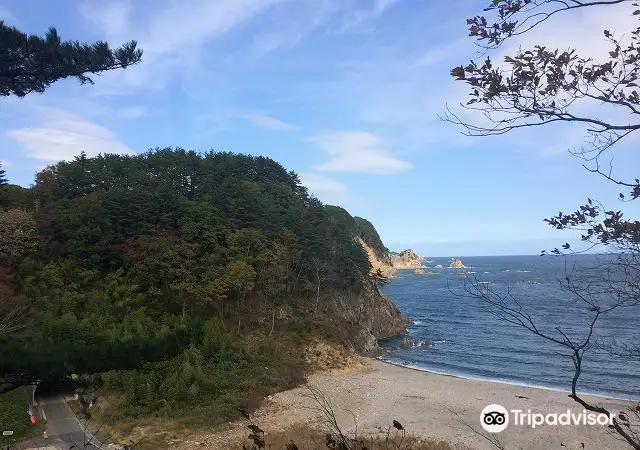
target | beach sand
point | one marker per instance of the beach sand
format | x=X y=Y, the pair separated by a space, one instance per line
x=371 y=394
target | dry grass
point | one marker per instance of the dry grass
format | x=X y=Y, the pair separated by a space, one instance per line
x=307 y=438
x=324 y=356
x=303 y=437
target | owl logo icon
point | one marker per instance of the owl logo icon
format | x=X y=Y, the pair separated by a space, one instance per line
x=494 y=418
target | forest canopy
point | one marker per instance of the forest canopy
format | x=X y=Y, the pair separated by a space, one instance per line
x=150 y=257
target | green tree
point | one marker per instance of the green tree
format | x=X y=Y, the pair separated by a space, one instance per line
x=30 y=63
x=4 y=192
x=241 y=279
x=18 y=236
x=133 y=248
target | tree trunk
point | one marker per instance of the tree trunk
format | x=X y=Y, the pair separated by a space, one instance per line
x=239 y=316
x=238 y=303
x=273 y=321
x=315 y=309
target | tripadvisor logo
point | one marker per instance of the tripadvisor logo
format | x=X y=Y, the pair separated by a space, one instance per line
x=495 y=418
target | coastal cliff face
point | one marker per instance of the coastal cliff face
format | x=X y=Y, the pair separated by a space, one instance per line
x=378 y=264
x=407 y=260
x=373 y=316
x=383 y=317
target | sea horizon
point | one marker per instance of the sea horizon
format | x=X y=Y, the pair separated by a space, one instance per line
x=466 y=341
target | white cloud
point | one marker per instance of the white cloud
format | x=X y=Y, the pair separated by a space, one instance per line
x=357 y=151
x=442 y=52
x=177 y=36
x=330 y=191
x=112 y=18
x=357 y=17
x=7 y=16
x=63 y=135
x=93 y=108
x=270 y=122
x=130 y=112
x=172 y=37
x=582 y=30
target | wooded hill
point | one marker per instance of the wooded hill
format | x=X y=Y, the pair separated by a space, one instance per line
x=179 y=277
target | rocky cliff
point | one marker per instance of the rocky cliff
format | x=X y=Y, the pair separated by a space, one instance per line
x=373 y=314
x=383 y=265
x=407 y=259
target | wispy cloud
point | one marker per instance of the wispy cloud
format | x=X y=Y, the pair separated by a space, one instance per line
x=173 y=35
x=357 y=151
x=270 y=122
x=64 y=135
x=7 y=16
x=130 y=112
x=330 y=191
x=359 y=16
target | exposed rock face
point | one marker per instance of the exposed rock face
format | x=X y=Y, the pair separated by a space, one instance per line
x=373 y=316
x=456 y=263
x=407 y=260
x=383 y=265
x=383 y=317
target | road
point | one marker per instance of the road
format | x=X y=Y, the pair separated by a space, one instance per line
x=63 y=428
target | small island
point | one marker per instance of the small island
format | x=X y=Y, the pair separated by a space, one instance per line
x=456 y=263
x=407 y=259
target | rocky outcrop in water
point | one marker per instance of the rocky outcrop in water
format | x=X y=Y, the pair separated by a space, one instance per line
x=407 y=259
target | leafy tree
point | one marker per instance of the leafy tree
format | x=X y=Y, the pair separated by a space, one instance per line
x=12 y=306
x=4 y=194
x=24 y=362
x=17 y=197
x=18 y=236
x=540 y=86
x=134 y=251
x=241 y=279
x=370 y=236
x=30 y=63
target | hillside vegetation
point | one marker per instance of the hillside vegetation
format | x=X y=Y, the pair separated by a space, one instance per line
x=359 y=227
x=189 y=284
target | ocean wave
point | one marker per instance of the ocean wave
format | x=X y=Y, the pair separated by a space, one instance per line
x=420 y=368
x=523 y=271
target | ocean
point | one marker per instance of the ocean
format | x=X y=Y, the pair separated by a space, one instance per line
x=468 y=341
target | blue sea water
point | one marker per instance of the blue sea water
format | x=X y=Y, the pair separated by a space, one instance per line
x=468 y=341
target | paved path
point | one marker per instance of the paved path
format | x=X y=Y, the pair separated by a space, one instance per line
x=63 y=428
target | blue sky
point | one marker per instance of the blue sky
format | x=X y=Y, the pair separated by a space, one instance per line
x=345 y=92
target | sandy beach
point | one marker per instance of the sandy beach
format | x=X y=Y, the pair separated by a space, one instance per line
x=370 y=394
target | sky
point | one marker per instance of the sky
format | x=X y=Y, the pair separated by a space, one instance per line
x=347 y=93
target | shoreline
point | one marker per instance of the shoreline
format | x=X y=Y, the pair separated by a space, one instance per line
x=369 y=394
x=603 y=396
